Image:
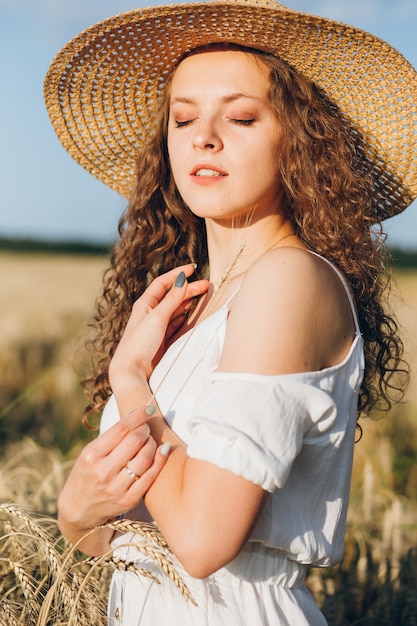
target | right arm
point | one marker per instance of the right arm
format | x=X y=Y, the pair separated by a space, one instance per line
x=99 y=487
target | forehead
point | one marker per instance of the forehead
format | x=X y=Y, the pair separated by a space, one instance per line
x=221 y=69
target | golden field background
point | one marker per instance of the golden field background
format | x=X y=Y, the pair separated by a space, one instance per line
x=46 y=303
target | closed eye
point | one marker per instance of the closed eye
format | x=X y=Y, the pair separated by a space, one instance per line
x=245 y=122
x=181 y=124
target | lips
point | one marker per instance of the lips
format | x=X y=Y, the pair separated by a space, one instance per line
x=207 y=171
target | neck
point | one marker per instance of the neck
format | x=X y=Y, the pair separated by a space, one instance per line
x=256 y=237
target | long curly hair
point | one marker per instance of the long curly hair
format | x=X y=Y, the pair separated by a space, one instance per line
x=329 y=174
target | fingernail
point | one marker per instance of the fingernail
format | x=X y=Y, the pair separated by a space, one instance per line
x=194 y=265
x=150 y=410
x=165 y=448
x=180 y=280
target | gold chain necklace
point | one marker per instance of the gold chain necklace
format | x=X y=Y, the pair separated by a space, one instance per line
x=223 y=281
x=215 y=299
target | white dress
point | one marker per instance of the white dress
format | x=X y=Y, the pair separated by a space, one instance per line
x=291 y=434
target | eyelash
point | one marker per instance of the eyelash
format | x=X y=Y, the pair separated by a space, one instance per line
x=234 y=121
x=243 y=122
x=182 y=124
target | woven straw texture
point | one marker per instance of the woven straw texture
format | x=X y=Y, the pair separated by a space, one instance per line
x=102 y=88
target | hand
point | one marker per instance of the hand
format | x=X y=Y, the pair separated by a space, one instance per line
x=156 y=316
x=99 y=486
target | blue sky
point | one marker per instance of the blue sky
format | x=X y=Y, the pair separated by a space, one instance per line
x=43 y=192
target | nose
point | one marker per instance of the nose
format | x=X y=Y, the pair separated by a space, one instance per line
x=206 y=137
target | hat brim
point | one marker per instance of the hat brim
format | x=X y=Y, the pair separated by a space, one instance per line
x=102 y=88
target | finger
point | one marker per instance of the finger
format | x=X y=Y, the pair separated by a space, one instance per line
x=197 y=288
x=141 y=461
x=130 y=446
x=108 y=466
x=147 y=479
x=111 y=438
x=161 y=313
x=193 y=290
x=107 y=441
x=173 y=301
x=163 y=283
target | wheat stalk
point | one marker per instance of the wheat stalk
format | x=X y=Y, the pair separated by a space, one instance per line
x=148 y=530
x=8 y=613
x=46 y=547
x=63 y=593
x=62 y=577
x=27 y=586
x=158 y=552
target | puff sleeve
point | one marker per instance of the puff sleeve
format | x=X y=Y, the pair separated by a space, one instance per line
x=255 y=425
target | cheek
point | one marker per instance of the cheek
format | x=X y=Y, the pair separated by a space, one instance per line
x=268 y=158
x=262 y=161
x=263 y=170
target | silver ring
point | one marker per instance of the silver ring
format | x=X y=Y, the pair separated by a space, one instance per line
x=132 y=475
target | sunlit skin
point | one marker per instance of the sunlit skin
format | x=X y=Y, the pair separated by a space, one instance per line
x=223 y=141
x=290 y=314
x=223 y=135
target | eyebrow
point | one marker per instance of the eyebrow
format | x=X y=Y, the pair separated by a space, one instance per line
x=226 y=99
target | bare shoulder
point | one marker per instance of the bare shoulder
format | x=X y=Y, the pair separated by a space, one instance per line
x=291 y=314
x=295 y=269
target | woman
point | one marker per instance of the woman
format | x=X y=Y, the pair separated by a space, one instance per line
x=265 y=184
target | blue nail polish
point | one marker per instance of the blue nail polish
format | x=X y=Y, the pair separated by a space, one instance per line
x=150 y=410
x=180 y=280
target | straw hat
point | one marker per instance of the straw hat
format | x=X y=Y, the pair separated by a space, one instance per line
x=102 y=88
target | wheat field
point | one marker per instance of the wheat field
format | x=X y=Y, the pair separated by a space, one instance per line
x=46 y=304
x=42 y=293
